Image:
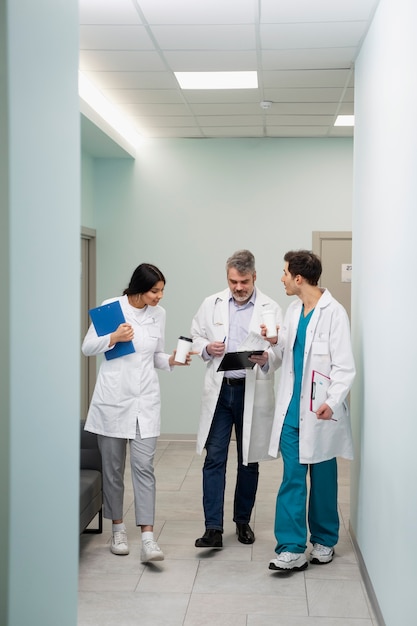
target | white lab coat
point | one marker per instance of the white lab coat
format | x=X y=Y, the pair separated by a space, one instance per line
x=211 y=323
x=327 y=350
x=127 y=388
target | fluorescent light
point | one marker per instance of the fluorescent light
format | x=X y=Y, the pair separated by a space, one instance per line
x=345 y=120
x=217 y=80
x=106 y=110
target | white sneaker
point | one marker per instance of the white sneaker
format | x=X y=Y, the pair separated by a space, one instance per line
x=151 y=551
x=321 y=554
x=289 y=561
x=119 y=542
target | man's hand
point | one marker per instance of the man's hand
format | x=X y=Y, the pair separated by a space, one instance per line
x=272 y=340
x=216 y=348
x=324 y=412
x=259 y=359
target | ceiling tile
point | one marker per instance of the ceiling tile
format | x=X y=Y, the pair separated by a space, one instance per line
x=303 y=51
x=306 y=78
x=215 y=61
x=120 y=60
x=132 y=80
x=192 y=12
x=117 y=37
x=108 y=12
x=317 y=35
x=157 y=109
x=306 y=95
x=317 y=11
x=172 y=132
x=163 y=121
x=233 y=131
x=308 y=58
x=128 y=96
x=205 y=37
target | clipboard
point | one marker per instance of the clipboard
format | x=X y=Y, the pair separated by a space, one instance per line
x=238 y=360
x=106 y=318
x=319 y=386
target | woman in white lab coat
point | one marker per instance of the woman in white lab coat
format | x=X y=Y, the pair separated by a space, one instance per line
x=125 y=406
x=315 y=337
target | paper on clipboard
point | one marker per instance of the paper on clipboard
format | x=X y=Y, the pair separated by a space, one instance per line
x=254 y=341
x=319 y=386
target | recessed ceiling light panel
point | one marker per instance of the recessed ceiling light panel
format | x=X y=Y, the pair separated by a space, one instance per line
x=217 y=80
x=345 y=120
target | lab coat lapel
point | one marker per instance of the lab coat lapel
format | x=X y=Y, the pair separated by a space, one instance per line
x=221 y=316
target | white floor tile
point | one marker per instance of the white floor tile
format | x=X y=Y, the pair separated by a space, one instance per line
x=336 y=598
x=228 y=587
x=131 y=609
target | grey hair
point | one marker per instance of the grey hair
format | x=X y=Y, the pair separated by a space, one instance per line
x=243 y=261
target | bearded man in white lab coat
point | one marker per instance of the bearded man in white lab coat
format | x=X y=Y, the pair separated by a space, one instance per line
x=311 y=425
x=243 y=398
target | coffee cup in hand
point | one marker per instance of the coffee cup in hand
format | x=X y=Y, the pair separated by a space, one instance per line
x=268 y=319
x=184 y=346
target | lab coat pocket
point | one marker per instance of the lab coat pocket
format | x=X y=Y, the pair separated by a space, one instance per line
x=151 y=334
x=108 y=387
x=153 y=329
x=320 y=347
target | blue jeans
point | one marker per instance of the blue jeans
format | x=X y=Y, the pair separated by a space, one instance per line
x=229 y=412
x=290 y=516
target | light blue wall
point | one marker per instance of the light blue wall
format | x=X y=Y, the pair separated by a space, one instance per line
x=384 y=515
x=87 y=190
x=214 y=196
x=5 y=321
x=40 y=287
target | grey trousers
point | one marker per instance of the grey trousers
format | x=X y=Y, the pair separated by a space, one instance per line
x=113 y=454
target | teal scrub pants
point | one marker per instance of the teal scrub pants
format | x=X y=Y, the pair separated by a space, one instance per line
x=290 y=514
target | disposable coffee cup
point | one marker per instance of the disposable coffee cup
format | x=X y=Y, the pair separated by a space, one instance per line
x=268 y=318
x=183 y=348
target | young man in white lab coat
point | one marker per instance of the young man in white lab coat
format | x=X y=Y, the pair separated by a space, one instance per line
x=315 y=347
x=243 y=398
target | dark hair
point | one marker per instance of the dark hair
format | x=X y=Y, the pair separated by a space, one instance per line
x=243 y=261
x=304 y=263
x=143 y=279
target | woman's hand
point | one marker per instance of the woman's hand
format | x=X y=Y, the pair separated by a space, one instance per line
x=123 y=333
x=173 y=362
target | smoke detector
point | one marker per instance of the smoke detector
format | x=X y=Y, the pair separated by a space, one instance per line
x=265 y=104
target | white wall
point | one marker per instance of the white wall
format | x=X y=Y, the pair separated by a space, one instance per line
x=384 y=512
x=220 y=195
x=40 y=293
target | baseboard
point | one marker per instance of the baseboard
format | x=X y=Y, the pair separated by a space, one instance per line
x=367 y=581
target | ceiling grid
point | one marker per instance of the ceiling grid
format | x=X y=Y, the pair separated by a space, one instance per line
x=302 y=50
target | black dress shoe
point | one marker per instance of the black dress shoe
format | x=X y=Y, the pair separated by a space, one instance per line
x=245 y=533
x=211 y=539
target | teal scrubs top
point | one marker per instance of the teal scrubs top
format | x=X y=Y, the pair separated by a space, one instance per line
x=292 y=417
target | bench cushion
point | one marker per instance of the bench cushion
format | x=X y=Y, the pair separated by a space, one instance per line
x=90 y=496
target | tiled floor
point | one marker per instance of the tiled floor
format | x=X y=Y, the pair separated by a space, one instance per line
x=229 y=587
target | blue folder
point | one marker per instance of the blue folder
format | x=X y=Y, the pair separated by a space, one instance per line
x=106 y=318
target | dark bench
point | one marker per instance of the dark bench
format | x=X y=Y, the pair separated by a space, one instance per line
x=91 y=483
